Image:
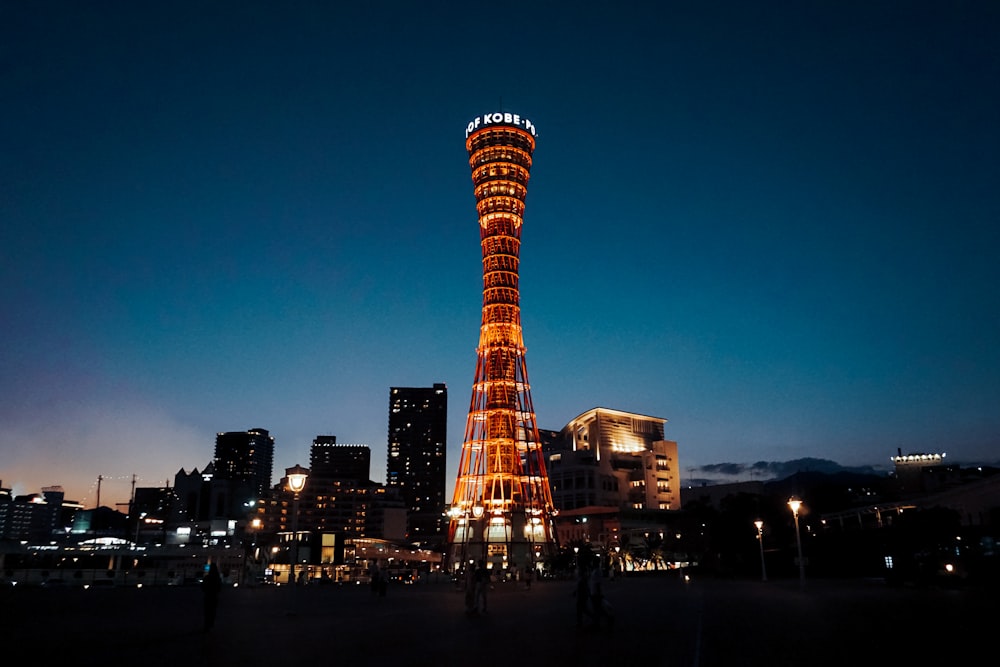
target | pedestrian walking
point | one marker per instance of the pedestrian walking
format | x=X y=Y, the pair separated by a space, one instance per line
x=211 y=586
x=470 y=589
x=482 y=587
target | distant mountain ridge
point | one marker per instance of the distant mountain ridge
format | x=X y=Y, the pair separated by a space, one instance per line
x=724 y=473
x=771 y=472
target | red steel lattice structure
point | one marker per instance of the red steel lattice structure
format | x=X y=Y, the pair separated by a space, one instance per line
x=502 y=507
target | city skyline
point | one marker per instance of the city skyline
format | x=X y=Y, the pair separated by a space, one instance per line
x=774 y=227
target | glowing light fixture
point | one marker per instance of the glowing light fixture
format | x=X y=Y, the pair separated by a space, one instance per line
x=760 y=538
x=297 y=477
x=796 y=504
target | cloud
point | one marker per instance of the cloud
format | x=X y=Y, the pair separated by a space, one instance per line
x=766 y=470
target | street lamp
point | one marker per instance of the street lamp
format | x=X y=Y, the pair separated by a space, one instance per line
x=760 y=539
x=480 y=529
x=296 y=477
x=795 y=504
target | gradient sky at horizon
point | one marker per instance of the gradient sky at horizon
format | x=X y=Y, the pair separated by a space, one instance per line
x=775 y=226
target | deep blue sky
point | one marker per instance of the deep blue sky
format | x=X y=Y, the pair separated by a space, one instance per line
x=773 y=224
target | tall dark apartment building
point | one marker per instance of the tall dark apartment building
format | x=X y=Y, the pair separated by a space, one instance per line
x=340 y=496
x=418 y=426
x=327 y=459
x=246 y=459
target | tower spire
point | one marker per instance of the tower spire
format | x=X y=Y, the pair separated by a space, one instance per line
x=502 y=507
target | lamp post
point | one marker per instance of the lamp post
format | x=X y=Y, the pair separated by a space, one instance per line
x=296 y=477
x=795 y=504
x=480 y=529
x=760 y=539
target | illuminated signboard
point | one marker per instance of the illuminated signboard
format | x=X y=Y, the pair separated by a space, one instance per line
x=499 y=118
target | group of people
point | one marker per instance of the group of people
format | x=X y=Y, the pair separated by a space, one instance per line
x=589 y=593
x=590 y=600
x=477 y=587
x=478 y=581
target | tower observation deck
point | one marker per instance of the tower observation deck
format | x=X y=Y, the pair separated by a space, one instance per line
x=502 y=509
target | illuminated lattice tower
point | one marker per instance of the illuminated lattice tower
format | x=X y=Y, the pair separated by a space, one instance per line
x=502 y=508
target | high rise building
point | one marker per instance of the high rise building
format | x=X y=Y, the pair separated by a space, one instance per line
x=329 y=460
x=418 y=429
x=246 y=459
x=340 y=496
x=502 y=507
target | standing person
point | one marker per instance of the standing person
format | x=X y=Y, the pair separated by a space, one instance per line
x=374 y=574
x=211 y=586
x=470 y=589
x=482 y=587
x=596 y=593
x=383 y=583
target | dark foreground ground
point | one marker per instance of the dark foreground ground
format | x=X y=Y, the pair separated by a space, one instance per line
x=660 y=621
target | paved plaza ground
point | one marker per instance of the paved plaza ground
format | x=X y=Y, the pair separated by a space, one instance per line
x=661 y=620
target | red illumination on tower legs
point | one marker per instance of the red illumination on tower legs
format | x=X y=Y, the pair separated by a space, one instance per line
x=502 y=507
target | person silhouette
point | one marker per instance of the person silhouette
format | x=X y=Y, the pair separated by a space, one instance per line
x=596 y=593
x=375 y=576
x=211 y=586
x=470 y=589
x=482 y=579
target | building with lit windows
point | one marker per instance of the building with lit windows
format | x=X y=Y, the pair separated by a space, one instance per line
x=38 y=517
x=338 y=497
x=611 y=458
x=327 y=459
x=245 y=459
x=330 y=514
x=922 y=472
x=416 y=457
x=350 y=507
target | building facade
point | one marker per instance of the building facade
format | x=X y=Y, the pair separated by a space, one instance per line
x=612 y=458
x=38 y=518
x=338 y=497
x=417 y=455
x=245 y=458
x=327 y=459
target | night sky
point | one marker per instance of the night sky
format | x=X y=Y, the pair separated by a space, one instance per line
x=773 y=224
